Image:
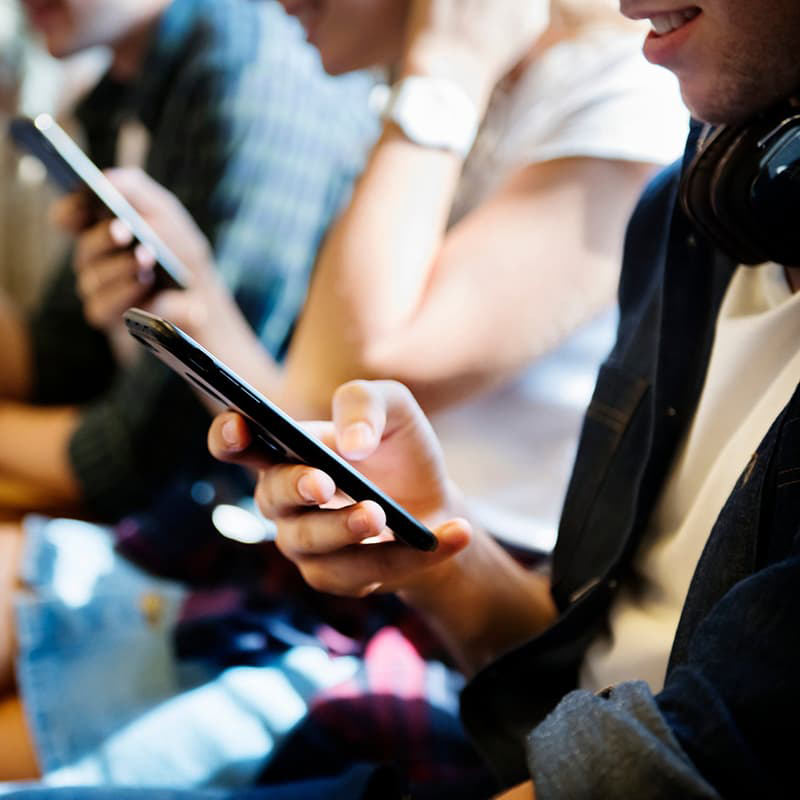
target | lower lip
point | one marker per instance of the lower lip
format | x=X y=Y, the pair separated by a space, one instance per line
x=664 y=50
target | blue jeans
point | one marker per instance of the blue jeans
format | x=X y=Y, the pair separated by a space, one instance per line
x=106 y=699
x=362 y=781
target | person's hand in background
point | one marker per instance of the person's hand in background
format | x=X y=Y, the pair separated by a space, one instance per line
x=112 y=275
x=474 y=42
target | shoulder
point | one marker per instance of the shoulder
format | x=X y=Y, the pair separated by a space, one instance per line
x=595 y=95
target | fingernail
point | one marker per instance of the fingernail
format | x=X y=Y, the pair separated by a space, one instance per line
x=120 y=232
x=305 y=486
x=230 y=434
x=357 y=438
x=359 y=522
x=145 y=256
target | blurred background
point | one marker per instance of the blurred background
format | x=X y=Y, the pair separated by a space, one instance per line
x=31 y=82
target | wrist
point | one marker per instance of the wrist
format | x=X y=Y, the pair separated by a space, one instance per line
x=433 y=112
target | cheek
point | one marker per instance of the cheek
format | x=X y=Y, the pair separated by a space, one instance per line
x=365 y=34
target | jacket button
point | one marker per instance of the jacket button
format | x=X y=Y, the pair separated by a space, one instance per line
x=151 y=607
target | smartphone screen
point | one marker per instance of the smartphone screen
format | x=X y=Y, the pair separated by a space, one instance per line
x=71 y=170
x=273 y=430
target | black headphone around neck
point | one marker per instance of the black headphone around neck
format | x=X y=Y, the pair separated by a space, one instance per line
x=742 y=188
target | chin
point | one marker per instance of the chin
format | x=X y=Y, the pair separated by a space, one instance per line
x=333 y=67
x=726 y=101
x=59 y=49
x=336 y=64
x=720 y=107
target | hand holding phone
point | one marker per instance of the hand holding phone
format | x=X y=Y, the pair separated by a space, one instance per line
x=274 y=431
x=71 y=170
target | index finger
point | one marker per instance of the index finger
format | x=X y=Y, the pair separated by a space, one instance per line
x=230 y=439
x=289 y=485
x=102 y=239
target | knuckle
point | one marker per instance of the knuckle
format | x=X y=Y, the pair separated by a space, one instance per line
x=283 y=545
x=315 y=576
x=305 y=537
x=290 y=493
x=325 y=577
x=264 y=495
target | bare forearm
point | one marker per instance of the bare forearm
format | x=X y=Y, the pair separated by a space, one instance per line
x=34 y=448
x=511 y=280
x=525 y=791
x=15 y=356
x=374 y=266
x=483 y=604
x=223 y=330
x=516 y=278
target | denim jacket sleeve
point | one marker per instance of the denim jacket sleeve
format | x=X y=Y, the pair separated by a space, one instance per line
x=727 y=715
x=723 y=726
x=612 y=745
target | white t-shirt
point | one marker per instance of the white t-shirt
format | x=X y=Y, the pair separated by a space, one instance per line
x=754 y=369
x=593 y=95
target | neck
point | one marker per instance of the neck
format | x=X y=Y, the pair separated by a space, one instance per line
x=129 y=51
x=793 y=278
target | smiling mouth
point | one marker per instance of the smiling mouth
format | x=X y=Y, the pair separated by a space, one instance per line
x=664 y=24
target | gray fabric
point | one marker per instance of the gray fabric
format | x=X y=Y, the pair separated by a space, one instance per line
x=612 y=745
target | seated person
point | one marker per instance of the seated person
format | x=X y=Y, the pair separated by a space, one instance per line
x=681 y=461
x=208 y=81
x=210 y=153
x=548 y=182
x=660 y=658
x=477 y=271
x=562 y=158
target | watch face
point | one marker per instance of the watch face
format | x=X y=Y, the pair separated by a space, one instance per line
x=434 y=112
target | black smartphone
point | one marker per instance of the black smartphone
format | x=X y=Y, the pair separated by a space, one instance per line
x=272 y=429
x=72 y=170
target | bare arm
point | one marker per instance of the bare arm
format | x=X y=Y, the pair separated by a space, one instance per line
x=489 y=604
x=34 y=449
x=525 y=791
x=480 y=301
x=15 y=354
x=34 y=460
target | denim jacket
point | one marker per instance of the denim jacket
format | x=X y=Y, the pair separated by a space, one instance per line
x=721 y=725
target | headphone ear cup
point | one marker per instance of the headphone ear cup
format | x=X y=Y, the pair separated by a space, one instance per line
x=736 y=170
x=713 y=189
x=695 y=189
x=742 y=189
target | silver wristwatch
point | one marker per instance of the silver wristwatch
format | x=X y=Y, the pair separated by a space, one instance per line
x=433 y=112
